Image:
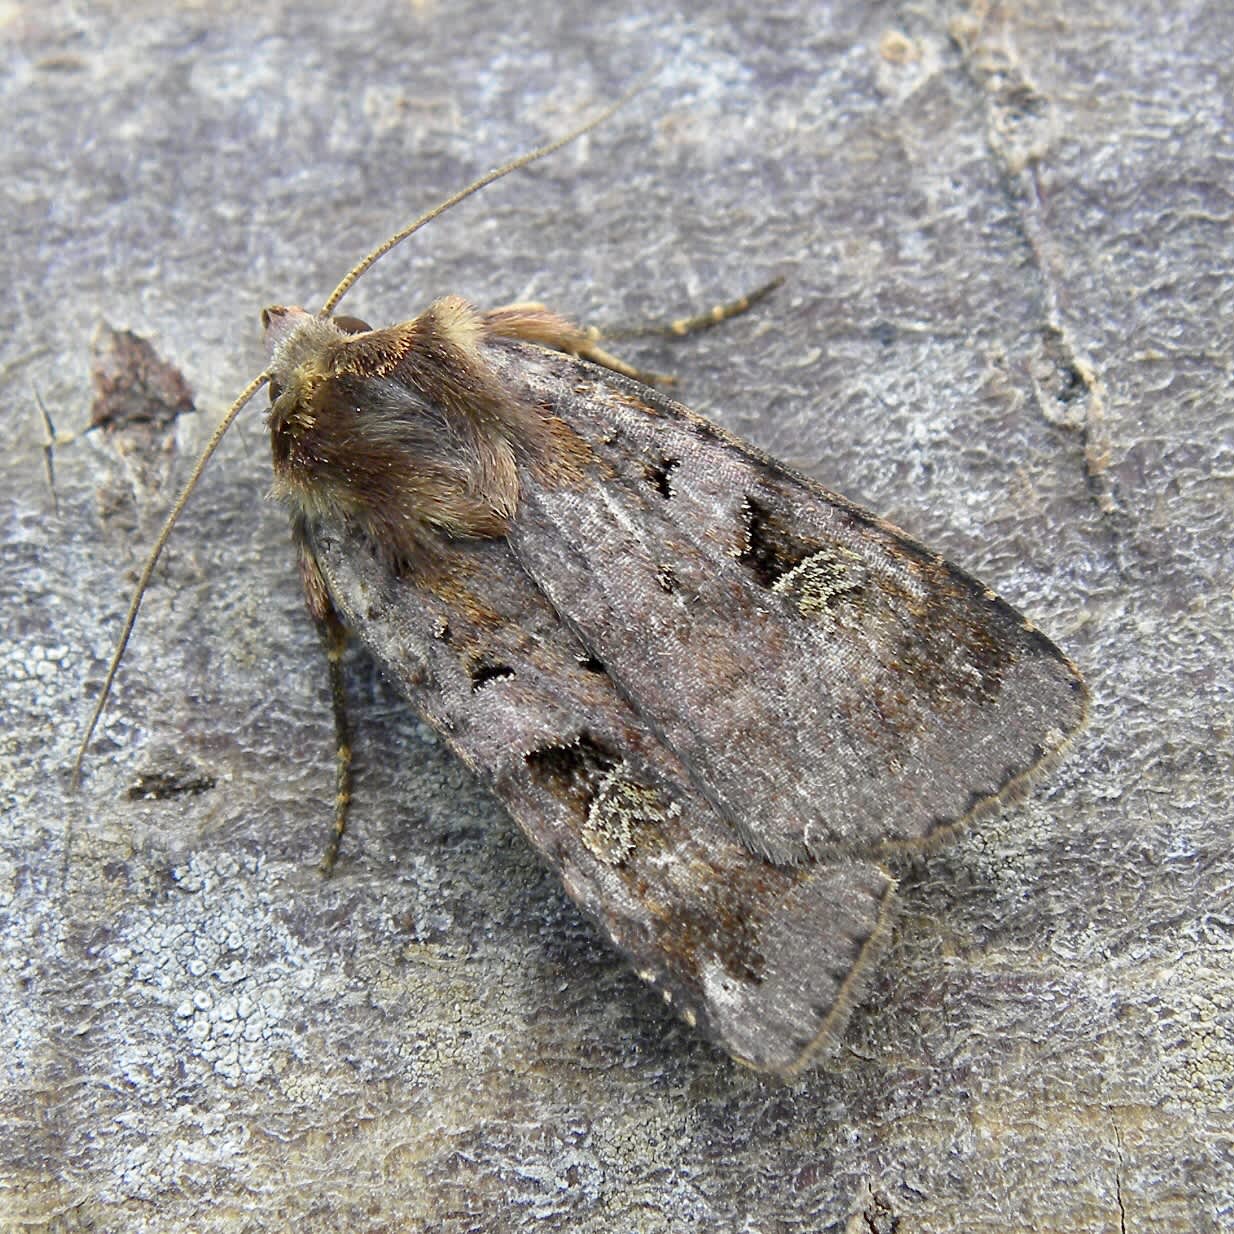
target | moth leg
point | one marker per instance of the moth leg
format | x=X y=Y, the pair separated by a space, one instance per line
x=536 y=323
x=334 y=639
x=681 y=327
x=336 y=642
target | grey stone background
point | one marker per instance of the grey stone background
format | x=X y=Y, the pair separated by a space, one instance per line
x=1006 y=231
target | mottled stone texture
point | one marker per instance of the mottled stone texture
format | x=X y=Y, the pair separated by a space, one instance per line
x=1007 y=324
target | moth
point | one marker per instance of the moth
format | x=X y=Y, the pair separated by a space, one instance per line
x=716 y=697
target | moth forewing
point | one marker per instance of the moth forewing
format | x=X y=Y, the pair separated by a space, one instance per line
x=713 y=694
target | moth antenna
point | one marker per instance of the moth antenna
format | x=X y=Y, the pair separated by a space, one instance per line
x=152 y=560
x=475 y=186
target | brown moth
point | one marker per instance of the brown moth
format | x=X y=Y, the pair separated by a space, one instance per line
x=714 y=695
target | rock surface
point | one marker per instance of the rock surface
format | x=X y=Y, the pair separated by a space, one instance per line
x=1006 y=325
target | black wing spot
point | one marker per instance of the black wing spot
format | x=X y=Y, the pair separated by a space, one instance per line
x=771 y=548
x=589 y=664
x=573 y=773
x=819 y=578
x=660 y=475
x=484 y=674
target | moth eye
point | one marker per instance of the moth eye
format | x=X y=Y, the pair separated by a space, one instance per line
x=275 y=391
x=352 y=325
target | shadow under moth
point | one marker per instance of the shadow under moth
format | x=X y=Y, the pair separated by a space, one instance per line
x=714 y=695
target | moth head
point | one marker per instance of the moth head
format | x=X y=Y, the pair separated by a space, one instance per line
x=294 y=336
x=280 y=322
x=298 y=346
